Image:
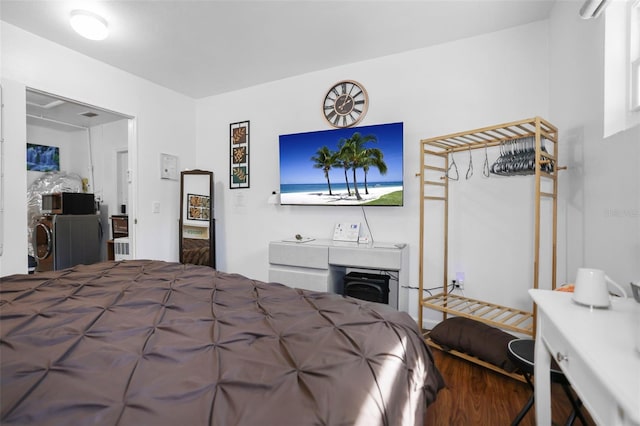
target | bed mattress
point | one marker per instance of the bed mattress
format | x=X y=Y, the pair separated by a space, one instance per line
x=145 y=342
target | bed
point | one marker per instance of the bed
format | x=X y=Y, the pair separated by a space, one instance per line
x=144 y=342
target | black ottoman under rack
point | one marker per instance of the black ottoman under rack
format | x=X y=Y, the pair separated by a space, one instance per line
x=521 y=353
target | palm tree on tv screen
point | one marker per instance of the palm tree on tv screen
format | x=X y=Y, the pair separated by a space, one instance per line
x=324 y=159
x=354 y=153
x=343 y=163
x=374 y=157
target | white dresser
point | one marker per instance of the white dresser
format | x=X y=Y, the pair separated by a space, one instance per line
x=595 y=350
x=320 y=265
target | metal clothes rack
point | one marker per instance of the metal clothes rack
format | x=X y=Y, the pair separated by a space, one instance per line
x=435 y=161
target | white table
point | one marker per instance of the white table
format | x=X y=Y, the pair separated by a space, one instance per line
x=596 y=351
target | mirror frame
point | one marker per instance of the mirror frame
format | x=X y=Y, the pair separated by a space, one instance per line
x=211 y=225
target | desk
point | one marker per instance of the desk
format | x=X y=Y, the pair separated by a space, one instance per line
x=320 y=265
x=596 y=351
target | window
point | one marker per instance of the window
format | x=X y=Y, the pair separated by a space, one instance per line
x=622 y=66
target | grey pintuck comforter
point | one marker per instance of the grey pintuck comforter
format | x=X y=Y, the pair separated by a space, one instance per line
x=154 y=343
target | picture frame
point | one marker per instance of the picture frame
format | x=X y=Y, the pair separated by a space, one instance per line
x=43 y=158
x=239 y=155
x=198 y=207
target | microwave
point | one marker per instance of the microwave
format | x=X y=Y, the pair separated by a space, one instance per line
x=68 y=203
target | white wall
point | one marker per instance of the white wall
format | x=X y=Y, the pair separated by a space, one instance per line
x=14 y=227
x=491 y=79
x=164 y=122
x=601 y=187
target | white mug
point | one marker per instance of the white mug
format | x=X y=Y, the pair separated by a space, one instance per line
x=591 y=288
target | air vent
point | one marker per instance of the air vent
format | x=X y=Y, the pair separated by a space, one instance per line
x=89 y=114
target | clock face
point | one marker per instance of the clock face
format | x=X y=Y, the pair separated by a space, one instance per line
x=345 y=104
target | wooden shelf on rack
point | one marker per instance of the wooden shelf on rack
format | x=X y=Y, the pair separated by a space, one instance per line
x=498 y=316
x=495 y=135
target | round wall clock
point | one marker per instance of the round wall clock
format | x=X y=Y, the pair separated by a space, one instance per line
x=345 y=104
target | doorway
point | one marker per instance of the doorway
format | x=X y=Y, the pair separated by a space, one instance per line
x=94 y=145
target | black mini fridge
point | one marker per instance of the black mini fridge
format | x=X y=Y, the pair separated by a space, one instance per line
x=370 y=287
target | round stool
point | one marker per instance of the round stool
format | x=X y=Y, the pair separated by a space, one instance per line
x=521 y=353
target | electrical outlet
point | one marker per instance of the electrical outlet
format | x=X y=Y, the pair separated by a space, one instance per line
x=460 y=280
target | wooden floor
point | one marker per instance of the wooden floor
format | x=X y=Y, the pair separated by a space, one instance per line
x=477 y=396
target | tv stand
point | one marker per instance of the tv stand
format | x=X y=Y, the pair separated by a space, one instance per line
x=320 y=265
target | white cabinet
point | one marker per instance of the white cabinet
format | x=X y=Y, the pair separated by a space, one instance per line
x=320 y=265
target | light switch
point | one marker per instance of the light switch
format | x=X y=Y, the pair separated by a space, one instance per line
x=155 y=207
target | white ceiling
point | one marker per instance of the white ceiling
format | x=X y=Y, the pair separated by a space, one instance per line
x=206 y=47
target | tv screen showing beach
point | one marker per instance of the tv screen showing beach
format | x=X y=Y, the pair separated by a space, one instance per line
x=343 y=167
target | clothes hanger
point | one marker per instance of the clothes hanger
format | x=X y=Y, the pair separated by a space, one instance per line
x=455 y=168
x=485 y=166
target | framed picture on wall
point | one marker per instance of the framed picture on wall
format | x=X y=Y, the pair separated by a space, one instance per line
x=239 y=155
x=43 y=158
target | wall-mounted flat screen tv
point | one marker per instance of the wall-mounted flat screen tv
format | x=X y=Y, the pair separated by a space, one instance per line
x=343 y=167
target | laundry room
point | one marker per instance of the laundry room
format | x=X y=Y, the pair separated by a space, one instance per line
x=80 y=151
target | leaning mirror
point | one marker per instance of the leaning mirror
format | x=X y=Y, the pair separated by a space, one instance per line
x=197 y=225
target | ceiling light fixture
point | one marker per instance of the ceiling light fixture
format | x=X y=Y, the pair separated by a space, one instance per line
x=89 y=25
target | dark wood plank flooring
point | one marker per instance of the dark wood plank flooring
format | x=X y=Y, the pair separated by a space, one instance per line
x=478 y=396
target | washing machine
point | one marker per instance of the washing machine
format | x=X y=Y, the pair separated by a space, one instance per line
x=62 y=241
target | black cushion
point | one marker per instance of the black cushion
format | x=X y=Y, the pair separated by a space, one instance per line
x=475 y=338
